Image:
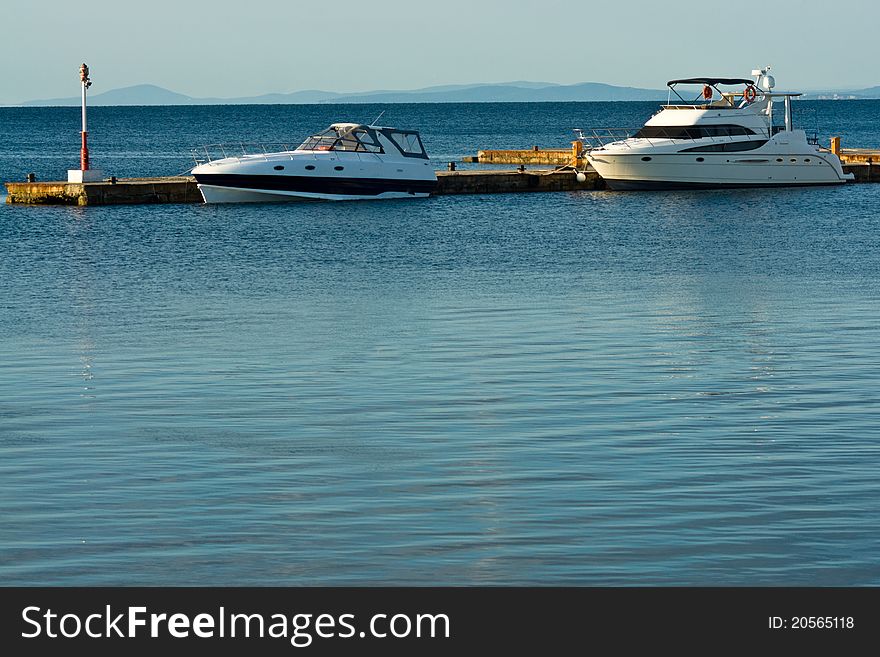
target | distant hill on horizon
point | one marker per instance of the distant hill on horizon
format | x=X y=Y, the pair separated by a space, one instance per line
x=141 y=94
x=521 y=91
x=512 y=92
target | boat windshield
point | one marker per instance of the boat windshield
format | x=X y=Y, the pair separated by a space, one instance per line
x=343 y=138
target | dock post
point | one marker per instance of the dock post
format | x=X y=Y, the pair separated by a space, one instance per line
x=835 y=146
x=577 y=150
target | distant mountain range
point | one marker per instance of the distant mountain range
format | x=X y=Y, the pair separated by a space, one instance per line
x=149 y=94
x=860 y=94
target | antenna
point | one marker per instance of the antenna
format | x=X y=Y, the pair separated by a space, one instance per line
x=373 y=122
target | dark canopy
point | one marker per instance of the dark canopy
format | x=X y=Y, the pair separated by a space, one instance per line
x=712 y=81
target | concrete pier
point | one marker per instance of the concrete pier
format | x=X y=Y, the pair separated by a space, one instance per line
x=123 y=191
x=859 y=155
x=532 y=180
x=571 y=156
x=536 y=156
x=184 y=189
x=865 y=172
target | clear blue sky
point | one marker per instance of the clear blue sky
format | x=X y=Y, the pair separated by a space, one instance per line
x=225 y=49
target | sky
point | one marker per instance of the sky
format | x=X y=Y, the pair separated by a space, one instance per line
x=225 y=48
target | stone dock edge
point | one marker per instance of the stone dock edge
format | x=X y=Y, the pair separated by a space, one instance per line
x=184 y=190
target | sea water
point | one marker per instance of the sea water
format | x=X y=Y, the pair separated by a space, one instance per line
x=570 y=388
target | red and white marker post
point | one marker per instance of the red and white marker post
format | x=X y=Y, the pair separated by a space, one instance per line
x=84 y=173
x=84 y=152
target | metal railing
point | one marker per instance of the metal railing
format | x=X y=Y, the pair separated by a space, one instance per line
x=212 y=152
x=600 y=137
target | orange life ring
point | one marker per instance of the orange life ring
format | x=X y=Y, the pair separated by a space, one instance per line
x=707 y=92
x=750 y=94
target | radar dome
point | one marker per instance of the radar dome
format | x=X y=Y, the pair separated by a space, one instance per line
x=768 y=82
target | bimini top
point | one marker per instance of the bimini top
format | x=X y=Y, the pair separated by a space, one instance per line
x=711 y=81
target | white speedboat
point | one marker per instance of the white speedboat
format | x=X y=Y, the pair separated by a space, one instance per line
x=345 y=161
x=719 y=139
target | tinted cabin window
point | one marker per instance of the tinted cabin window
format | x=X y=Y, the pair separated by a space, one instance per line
x=726 y=131
x=692 y=131
x=729 y=147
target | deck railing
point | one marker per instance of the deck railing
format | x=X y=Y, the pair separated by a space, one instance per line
x=211 y=152
x=599 y=137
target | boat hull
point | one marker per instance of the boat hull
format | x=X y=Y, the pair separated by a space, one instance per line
x=658 y=171
x=664 y=185
x=235 y=188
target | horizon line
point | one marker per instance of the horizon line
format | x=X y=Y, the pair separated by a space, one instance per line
x=349 y=95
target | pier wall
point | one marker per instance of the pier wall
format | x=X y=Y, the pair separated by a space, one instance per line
x=495 y=182
x=184 y=190
x=864 y=172
x=536 y=156
x=563 y=157
x=123 y=191
x=859 y=156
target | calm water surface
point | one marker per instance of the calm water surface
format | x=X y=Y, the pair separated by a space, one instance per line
x=585 y=388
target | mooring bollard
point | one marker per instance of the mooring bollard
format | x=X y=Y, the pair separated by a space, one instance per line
x=31 y=177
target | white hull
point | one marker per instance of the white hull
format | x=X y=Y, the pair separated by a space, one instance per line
x=752 y=169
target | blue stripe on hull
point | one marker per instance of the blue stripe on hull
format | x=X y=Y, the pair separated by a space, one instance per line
x=318 y=185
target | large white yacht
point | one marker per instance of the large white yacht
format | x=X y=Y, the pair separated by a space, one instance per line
x=345 y=161
x=719 y=139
